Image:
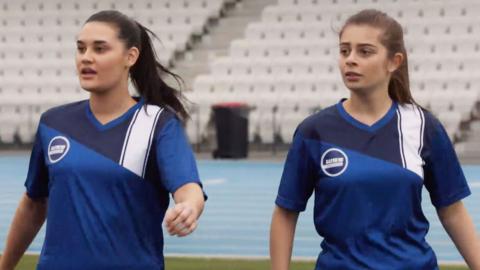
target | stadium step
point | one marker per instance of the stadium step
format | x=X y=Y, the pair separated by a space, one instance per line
x=216 y=42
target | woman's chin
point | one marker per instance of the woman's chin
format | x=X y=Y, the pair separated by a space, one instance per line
x=91 y=88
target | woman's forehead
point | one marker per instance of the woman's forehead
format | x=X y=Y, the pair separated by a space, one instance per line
x=97 y=31
x=360 y=34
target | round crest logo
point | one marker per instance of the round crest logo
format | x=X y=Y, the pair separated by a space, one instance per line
x=58 y=148
x=334 y=162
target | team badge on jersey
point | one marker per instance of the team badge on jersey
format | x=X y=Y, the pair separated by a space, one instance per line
x=58 y=148
x=334 y=162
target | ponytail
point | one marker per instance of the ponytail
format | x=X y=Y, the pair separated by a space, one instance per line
x=146 y=74
x=399 y=86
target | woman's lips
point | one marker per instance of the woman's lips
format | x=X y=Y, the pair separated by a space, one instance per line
x=88 y=73
x=352 y=76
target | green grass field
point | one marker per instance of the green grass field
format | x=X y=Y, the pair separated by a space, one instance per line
x=29 y=262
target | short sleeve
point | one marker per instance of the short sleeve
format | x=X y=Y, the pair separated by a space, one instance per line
x=175 y=159
x=297 y=183
x=444 y=178
x=37 y=177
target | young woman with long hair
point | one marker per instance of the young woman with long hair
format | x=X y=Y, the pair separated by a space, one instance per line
x=367 y=159
x=102 y=169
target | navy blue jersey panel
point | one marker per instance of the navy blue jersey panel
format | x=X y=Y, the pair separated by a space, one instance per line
x=444 y=177
x=152 y=170
x=72 y=119
x=36 y=183
x=329 y=126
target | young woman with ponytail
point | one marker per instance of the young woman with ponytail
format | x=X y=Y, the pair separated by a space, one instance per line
x=102 y=169
x=367 y=159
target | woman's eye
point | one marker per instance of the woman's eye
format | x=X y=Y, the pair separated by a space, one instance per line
x=343 y=51
x=80 y=49
x=365 y=52
x=99 y=49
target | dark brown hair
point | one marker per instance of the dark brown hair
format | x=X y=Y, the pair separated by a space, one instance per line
x=392 y=39
x=146 y=74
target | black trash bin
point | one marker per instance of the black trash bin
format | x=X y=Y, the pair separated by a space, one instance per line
x=231 y=125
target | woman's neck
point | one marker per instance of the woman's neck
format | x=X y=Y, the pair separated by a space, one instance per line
x=110 y=104
x=368 y=108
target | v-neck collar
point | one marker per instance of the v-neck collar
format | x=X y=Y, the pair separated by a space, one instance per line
x=101 y=127
x=375 y=126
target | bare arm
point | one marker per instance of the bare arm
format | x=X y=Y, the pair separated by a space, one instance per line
x=282 y=232
x=459 y=226
x=182 y=219
x=28 y=220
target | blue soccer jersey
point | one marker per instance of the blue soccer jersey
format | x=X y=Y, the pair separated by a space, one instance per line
x=368 y=185
x=107 y=185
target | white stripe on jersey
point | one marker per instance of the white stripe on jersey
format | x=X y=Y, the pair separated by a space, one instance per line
x=411 y=126
x=400 y=137
x=134 y=118
x=139 y=139
x=150 y=138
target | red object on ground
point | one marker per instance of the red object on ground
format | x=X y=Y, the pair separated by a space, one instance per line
x=229 y=105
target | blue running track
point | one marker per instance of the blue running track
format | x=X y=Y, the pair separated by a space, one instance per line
x=237 y=216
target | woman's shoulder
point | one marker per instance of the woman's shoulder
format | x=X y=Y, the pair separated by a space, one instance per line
x=166 y=114
x=316 y=121
x=428 y=119
x=431 y=122
x=432 y=128
x=168 y=120
x=63 y=110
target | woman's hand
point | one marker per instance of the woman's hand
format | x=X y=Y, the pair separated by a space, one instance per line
x=181 y=220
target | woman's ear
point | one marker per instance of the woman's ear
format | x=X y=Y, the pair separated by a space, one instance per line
x=395 y=62
x=132 y=56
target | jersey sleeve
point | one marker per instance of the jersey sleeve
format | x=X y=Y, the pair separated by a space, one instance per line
x=36 y=183
x=297 y=183
x=175 y=159
x=444 y=178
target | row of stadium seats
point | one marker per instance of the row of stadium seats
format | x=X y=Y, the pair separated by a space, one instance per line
x=303 y=48
x=364 y=3
x=63 y=54
x=33 y=53
x=22 y=26
x=20 y=121
x=195 y=18
x=262 y=90
x=24 y=64
x=9 y=7
x=320 y=31
x=62 y=39
x=304 y=66
x=37 y=49
x=288 y=61
x=320 y=12
x=39 y=95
